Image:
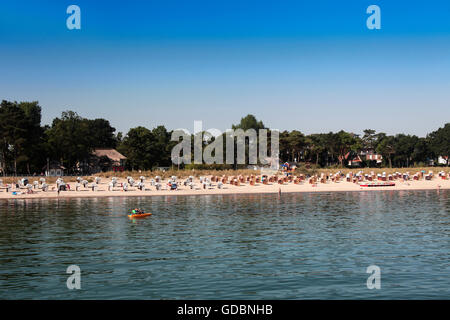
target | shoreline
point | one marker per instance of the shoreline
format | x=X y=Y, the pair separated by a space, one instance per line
x=435 y=184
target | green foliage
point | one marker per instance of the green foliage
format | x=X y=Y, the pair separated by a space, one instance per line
x=101 y=133
x=136 y=146
x=68 y=139
x=146 y=149
x=20 y=135
x=25 y=145
x=71 y=138
x=440 y=141
x=295 y=142
x=249 y=122
x=386 y=147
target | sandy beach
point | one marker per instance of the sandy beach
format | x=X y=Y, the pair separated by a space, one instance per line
x=342 y=185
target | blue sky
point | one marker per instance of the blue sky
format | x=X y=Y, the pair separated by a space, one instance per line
x=307 y=65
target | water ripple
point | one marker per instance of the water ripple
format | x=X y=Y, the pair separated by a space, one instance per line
x=297 y=246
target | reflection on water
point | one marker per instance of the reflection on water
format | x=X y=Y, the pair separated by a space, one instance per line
x=297 y=246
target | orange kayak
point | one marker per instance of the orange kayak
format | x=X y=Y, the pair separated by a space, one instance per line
x=139 y=215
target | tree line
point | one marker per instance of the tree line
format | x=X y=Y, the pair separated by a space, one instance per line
x=331 y=149
x=26 y=146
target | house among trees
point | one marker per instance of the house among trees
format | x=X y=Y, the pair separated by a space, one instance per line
x=370 y=156
x=352 y=159
x=374 y=157
x=107 y=159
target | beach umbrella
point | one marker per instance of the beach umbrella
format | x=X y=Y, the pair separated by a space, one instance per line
x=97 y=180
x=84 y=183
x=142 y=178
